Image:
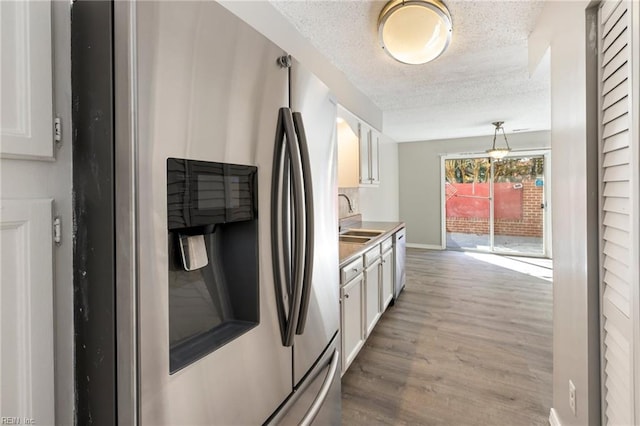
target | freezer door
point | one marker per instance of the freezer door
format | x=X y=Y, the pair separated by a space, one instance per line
x=209 y=89
x=317 y=109
x=317 y=400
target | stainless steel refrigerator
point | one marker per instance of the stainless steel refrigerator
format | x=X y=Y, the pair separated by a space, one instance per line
x=227 y=254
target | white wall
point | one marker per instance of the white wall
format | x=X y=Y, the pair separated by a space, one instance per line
x=381 y=203
x=44 y=179
x=420 y=179
x=562 y=26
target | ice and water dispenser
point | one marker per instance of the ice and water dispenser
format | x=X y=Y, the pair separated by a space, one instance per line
x=212 y=216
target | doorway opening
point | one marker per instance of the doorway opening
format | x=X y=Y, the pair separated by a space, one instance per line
x=497 y=205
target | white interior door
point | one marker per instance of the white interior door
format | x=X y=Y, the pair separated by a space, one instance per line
x=619 y=215
x=27 y=393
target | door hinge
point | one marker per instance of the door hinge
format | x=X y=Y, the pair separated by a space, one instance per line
x=57 y=130
x=57 y=230
x=284 y=61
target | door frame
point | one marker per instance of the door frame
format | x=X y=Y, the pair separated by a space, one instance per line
x=547 y=232
x=94 y=278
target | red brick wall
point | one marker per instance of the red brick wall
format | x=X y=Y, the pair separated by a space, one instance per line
x=531 y=224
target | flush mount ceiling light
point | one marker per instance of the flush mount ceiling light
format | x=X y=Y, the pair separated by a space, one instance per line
x=414 y=31
x=498 y=153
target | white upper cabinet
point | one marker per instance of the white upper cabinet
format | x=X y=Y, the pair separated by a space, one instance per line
x=26 y=122
x=358 y=147
x=348 y=154
x=374 y=159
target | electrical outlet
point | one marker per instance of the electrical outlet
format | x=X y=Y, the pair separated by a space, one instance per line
x=572 y=397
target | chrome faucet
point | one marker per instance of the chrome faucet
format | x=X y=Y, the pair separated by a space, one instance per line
x=348 y=201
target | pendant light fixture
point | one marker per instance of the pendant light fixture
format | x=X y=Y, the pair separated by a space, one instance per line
x=414 y=31
x=499 y=153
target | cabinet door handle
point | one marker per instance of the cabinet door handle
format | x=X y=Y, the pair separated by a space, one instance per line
x=346 y=296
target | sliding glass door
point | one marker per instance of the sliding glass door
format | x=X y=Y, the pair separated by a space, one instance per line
x=518 y=205
x=468 y=203
x=495 y=205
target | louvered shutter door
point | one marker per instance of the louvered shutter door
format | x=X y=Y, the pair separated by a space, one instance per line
x=618 y=214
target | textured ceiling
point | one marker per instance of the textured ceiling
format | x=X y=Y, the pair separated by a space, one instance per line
x=482 y=77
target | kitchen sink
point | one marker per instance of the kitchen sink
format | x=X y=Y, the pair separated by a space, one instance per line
x=363 y=232
x=354 y=239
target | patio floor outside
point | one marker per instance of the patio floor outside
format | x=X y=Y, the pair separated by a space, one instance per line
x=502 y=243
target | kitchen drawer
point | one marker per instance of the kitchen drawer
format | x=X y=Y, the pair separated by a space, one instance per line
x=371 y=255
x=351 y=270
x=386 y=245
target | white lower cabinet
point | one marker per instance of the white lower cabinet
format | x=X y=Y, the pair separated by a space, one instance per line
x=351 y=315
x=372 y=291
x=366 y=291
x=351 y=310
x=386 y=279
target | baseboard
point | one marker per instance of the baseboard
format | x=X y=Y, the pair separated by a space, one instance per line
x=553 y=418
x=425 y=246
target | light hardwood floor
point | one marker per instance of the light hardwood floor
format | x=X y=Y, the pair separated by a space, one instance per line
x=467 y=343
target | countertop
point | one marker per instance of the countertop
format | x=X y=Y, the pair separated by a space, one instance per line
x=350 y=251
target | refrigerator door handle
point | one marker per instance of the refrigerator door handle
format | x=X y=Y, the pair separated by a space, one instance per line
x=287 y=156
x=309 y=218
x=278 y=224
x=299 y=223
x=317 y=403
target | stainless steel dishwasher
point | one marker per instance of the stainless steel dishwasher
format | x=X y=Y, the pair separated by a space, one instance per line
x=399 y=252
